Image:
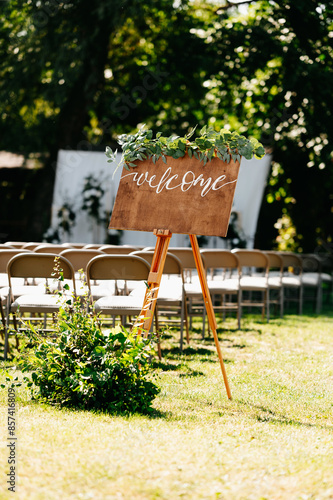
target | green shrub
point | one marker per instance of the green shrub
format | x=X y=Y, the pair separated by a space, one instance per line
x=85 y=367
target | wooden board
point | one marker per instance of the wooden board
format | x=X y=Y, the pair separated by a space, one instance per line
x=182 y=195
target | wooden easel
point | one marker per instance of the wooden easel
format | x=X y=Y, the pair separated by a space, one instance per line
x=154 y=281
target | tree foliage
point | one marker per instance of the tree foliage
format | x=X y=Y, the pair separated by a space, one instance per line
x=76 y=74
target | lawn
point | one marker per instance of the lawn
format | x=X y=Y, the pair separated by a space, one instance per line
x=273 y=441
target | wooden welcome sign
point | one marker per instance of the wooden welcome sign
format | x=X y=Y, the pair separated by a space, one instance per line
x=181 y=195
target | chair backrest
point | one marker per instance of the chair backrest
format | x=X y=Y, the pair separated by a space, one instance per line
x=117 y=249
x=219 y=259
x=6 y=255
x=49 y=248
x=326 y=263
x=185 y=255
x=291 y=260
x=73 y=245
x=311 y=263
x=79 y=257
x=117 y=267
x=275 y=260
x=93 y=246
x=38 y=265
x=252 y=259
x=15 y=244
x=31 y=245
x=4 y=246
x=172 y=264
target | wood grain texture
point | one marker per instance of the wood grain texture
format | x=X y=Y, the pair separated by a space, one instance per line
x=182 y=195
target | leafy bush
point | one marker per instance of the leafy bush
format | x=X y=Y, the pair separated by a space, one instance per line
x=87 y=368
x=223 y=144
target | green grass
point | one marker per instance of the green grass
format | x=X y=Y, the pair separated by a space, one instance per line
x=273 y=441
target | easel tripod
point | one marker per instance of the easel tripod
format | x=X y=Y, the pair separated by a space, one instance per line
x=154 y=280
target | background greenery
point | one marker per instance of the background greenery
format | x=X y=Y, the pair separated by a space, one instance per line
x=74 y=75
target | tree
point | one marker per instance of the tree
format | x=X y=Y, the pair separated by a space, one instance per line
x=275 y=81
x=76 y=74
x=77 y=69
x=81 y=72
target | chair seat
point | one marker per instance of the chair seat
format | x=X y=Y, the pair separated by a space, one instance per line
x=45 y=303
x=327 y=278
x=119 y=305
x=169 y=291
x=274 y=282
x=19 y=290
x=253 y=283
x=291 y=281
x=223 y=286
x=100 y=291
x=4 y=280
x=311 y=279
x=193 y=290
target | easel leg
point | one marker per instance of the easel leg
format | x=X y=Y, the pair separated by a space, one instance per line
x=209 y=306
x=154 y=278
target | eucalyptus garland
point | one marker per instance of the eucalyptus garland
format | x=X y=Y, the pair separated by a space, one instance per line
x=223 y=144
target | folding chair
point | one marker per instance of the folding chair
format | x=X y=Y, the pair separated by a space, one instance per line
x=193 y=292
x=221 y=266
x=312 y=279
x=5 y=255
x=292 y=280
x=171 y=299
x=34 y=265
x=326 y=261
x=275 y=276
x=116 y=267
x=254 y=280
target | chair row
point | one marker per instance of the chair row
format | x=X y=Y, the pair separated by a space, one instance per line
x=55 y=248
x=231 y=276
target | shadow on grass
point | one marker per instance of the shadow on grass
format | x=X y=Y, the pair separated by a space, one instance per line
x=184 y=371
x=202 y=354
x=269 y=416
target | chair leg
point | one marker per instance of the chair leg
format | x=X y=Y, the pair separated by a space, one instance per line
x=264 y=305
x=190 y=310
x=281 y=301
x=182 y=314
x=301 y=296
x=240 y=298
x=319 y=298
x=186 y=322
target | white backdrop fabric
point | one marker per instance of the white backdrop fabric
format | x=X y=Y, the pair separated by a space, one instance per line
x=74 y=166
